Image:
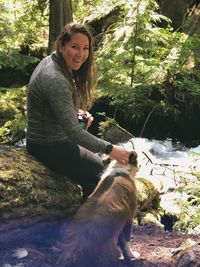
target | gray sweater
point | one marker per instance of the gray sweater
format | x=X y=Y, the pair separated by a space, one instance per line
x=52 y=106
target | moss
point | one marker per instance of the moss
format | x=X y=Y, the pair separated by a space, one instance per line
x=12 y=114
x=29 y=189
x=147 y=193
x=152 y=216
x=109 y=130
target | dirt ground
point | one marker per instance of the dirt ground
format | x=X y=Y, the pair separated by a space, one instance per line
x=151 y=245
x=158 y=247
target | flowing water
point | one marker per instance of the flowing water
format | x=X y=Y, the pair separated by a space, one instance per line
x=167 y=161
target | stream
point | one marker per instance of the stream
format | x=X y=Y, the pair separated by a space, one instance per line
x=167 y=161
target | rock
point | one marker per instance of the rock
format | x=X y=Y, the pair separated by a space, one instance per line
x=33 y=199
x=189 y=257
x=152 y=216
x=114 y=133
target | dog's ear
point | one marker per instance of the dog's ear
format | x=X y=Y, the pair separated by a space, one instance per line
x=133 y=158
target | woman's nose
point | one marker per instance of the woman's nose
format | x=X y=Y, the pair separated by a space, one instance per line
x=80 y=53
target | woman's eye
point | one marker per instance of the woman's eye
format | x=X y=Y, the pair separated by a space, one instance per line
x=77 y=47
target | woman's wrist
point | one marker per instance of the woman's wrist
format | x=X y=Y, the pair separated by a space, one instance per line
x=109 y=148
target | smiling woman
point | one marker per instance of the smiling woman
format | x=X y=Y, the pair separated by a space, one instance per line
x=59 y=92
x=76 y=51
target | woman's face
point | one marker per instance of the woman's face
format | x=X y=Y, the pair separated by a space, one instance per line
x=76 y=51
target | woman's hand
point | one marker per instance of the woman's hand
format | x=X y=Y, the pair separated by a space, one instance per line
x=120 y=154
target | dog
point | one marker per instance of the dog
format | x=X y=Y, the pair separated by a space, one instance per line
x=100 y=231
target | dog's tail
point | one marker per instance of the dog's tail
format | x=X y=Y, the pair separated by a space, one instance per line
x=66 y=250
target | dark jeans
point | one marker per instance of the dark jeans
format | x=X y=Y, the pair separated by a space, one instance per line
x=75 y=162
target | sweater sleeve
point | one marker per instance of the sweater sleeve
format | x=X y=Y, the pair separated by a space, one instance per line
x=58 y=92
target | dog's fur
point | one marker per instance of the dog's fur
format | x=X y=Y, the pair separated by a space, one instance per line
x=101 y=229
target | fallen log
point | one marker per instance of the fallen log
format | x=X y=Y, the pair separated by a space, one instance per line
x=33 y=199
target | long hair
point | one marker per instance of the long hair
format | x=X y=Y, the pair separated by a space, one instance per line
x=85 y=76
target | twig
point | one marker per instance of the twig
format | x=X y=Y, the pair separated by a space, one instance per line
x=148 y=119
x=147 y=157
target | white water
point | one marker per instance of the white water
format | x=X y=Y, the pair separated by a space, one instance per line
x=165 y=152
x=167 y=161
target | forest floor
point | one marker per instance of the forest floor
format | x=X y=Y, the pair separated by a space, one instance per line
x=157 y=247
x=152 y=246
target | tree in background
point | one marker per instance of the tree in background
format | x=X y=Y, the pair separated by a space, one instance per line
x=60 y=14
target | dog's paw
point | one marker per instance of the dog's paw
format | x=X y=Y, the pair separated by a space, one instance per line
x=135 y=254
x=132 y=255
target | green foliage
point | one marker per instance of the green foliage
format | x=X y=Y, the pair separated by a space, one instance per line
x=134 y=45
x=138 y=62
x=86 y=10
x=15 y=60
x=190 y=215
x=23 y=23
x=12 y=114
x=23 y=27
x=104 y=125
x=132 y=48
x=140 y=101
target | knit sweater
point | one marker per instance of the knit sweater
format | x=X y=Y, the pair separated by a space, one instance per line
x=52 y=109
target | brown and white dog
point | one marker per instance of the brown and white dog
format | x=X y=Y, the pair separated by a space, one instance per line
x=100 y=231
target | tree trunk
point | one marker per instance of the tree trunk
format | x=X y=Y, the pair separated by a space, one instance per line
x=175 y=10
x=60 y=14
x=33 y=199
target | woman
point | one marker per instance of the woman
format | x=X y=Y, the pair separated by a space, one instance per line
x=59 y=87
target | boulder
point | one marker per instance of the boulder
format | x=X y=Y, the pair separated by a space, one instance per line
x=33 y=199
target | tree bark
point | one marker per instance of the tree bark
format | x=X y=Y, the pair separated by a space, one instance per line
x=175 y=10
x=60 y=14
x=33 y=199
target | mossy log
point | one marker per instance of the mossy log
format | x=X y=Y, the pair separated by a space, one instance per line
x=114 y=133
x=33 y=199
x=148 y=195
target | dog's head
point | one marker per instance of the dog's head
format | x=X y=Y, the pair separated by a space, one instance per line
x=133 y=158
x=131 y=167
